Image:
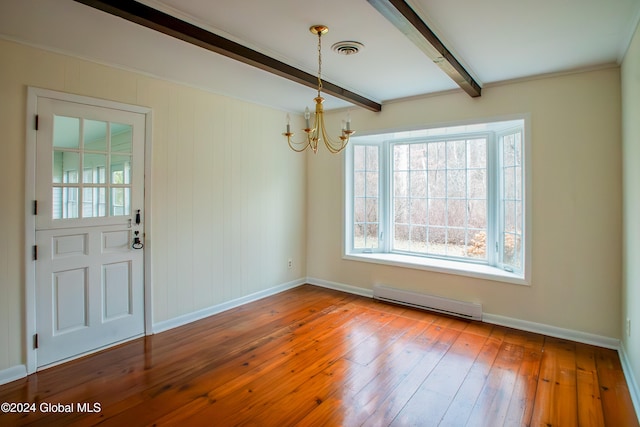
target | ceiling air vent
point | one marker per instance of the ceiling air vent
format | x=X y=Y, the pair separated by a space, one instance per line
x=347 y=47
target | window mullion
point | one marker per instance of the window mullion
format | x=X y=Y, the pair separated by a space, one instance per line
x=494 y=185
x=348 y=227
x=446 y=196
x=466 y=196
x=385 y=199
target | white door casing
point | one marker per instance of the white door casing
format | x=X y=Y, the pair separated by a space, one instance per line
x=86 y=290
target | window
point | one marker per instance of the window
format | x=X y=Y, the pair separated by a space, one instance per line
x=450 y=199
x=84 y=153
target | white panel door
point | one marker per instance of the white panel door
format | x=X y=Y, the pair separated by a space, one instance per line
x=89 y=228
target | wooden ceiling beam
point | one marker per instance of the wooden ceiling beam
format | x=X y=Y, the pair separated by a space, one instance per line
x=154 y=19
x=403 y=17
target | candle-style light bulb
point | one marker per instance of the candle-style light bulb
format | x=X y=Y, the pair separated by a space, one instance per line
x=288 y=123
x=307 y=116
x=347 y=121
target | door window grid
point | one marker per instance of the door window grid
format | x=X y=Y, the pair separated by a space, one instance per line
x=72 y=153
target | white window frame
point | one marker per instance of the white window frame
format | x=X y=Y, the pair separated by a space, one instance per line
x=384 y=255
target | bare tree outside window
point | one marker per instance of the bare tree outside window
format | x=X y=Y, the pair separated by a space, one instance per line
x=439 y=197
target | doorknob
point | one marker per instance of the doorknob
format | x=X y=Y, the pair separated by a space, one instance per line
x=137 y=243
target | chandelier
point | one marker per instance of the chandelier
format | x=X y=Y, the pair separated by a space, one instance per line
x=318 y=130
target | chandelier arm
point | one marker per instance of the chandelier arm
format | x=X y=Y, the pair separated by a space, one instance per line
x=293 y=144
x=334 y=147
x=298 y=150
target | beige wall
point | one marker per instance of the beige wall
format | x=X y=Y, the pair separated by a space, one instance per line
x=228 y=196
x=631 y=186
x=576 y=203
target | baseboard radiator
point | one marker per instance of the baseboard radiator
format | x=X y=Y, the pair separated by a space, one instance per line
x=467 y=310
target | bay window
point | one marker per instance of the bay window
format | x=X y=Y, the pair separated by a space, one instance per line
x=450 y=199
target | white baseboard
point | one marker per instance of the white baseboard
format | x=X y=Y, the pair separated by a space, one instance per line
x=552 y=331
x=13 y=373
x=219 y=308
x=340 y=287
x=632 y=384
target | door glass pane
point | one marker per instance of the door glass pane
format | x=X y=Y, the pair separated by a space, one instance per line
x=94 y=202
x=101 y=196
x=94 y=168
x=66 y=132
x=87 y=202
x=120 y=169
x=65 y=167
x=121 y=137
x=56 y=208
x=95 y=135
x=120 y=201
x=70 y=197
x=65 y=202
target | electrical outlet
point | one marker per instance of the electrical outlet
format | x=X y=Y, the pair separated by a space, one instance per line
x=628 y=327
x=290 y=263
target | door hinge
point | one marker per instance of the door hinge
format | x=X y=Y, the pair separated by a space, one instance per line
x=35 y=207
x=35 y=252
x=37 y=121
x=35 y=341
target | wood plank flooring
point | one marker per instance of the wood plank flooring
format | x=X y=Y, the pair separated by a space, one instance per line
x=317 y=357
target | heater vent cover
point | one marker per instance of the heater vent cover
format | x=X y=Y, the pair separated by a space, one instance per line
x=467 y=310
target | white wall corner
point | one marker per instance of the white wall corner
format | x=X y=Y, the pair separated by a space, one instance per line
x=634 y=388
x=219 y=308
x=13 y=373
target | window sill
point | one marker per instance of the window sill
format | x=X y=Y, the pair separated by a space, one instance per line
x=478 y=271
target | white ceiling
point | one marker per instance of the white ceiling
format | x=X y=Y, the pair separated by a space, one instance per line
x=496 y=40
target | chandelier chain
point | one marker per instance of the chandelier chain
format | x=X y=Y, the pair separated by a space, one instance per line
x=319 y=62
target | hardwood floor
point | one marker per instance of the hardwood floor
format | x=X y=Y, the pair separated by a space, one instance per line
x=316 y=357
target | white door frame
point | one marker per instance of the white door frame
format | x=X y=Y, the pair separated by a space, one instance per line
x=30 y=220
